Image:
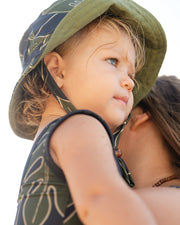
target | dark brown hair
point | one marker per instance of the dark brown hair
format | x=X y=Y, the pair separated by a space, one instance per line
x=163 y=106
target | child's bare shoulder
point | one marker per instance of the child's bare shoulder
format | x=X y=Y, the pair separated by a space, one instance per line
x=76 y=137
x=78 y=127
x=77 y=133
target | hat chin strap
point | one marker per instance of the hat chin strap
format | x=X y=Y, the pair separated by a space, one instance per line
x=117 y=133
x=56 y=91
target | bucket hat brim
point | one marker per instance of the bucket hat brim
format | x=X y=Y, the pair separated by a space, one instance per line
x=73 y=19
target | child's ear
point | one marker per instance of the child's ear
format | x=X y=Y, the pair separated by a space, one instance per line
x=55 y=64
x=139 y=120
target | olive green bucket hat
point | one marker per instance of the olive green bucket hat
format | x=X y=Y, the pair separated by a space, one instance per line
x=63 y=19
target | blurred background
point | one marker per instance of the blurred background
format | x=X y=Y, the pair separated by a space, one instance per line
x=15 y=17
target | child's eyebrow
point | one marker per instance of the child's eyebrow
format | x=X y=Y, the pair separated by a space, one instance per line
x=103 y=47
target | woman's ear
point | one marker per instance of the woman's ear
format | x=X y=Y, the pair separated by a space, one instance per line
x=55 y=64
x=139 y=119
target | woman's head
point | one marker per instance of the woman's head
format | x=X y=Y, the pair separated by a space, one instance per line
x=162 y=105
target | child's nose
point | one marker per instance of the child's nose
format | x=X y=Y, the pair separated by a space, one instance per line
x=127 y=83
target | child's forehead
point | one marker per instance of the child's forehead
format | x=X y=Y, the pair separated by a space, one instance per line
x=101 y=42
x=112 y=43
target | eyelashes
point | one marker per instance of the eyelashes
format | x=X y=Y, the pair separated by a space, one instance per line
x=114 y=62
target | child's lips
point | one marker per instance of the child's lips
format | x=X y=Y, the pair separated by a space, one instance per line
x=122 y=99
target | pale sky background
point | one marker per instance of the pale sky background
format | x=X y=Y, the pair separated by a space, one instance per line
x=15 y=17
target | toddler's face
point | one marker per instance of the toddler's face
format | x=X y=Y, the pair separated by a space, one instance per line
x=98 y=75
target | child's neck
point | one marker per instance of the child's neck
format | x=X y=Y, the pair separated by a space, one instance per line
x=52 y=112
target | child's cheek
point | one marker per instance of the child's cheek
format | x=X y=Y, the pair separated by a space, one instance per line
x=131 y=101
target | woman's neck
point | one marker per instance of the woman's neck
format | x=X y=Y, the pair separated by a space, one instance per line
x=148 y=171
x=148 y=161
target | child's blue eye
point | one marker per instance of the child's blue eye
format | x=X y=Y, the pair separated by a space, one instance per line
x=112 y=61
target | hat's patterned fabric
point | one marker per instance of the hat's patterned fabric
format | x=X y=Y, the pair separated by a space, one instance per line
x=38 y=34
x=36 y=38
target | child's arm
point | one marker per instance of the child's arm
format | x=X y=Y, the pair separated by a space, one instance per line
x=81 y=147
